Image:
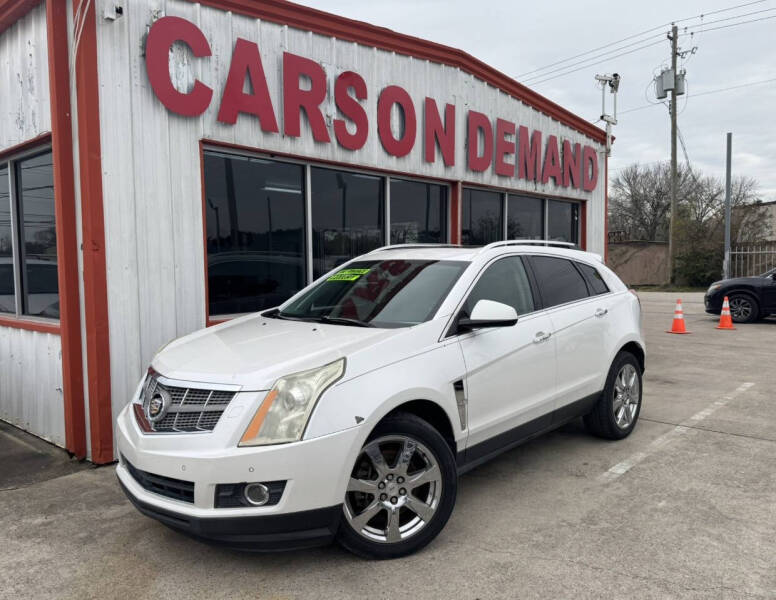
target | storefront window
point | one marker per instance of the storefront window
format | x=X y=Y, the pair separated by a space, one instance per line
x=418 y=212
x=7 y=299
x=481 y=217
x=255 y=232
x=347 y=216
x=525 y=218
x=563 y=221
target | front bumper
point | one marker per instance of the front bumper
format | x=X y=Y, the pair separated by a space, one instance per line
x=713 y=303
x=291 y=531
x=316 y=472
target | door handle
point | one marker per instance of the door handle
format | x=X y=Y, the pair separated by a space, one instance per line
x=601 y=312
x=541 y=337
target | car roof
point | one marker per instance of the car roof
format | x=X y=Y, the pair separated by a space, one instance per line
x=470 y=253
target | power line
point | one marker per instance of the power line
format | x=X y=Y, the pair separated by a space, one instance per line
x=706 y=93
x=735 y=24
x=739 y=16
x=533 y=83
x=635 y=35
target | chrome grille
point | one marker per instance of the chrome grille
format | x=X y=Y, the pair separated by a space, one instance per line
x=190 y=409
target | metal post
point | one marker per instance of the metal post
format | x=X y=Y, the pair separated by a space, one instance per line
x=726 y=264
x=672 y=222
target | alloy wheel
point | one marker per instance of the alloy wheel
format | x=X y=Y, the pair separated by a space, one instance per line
x=627 y=395
x=741 y=308
x=394 y=489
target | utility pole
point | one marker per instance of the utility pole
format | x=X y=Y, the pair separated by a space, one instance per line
x=672 y=224
x=726 y=265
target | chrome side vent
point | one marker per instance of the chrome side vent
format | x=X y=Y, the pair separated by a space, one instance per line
x=460 y=400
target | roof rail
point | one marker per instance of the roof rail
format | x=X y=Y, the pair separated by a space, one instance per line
x=403 y=246
x=529 y=243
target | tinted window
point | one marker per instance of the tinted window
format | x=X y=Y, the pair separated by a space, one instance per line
x=388 y=293
x=558 y=279
x=7 y=301
x=525 y=218
x=563 y=221
x=35 y=185
x=255 y=232
x=481 y=218
x=504 y=281
x=347 y=214
x=418 y=212
x=594 y=279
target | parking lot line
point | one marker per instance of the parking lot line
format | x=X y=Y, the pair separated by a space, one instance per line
x=626 y=465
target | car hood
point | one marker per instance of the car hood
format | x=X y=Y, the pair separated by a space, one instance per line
x=755 y=280
x=254 y=351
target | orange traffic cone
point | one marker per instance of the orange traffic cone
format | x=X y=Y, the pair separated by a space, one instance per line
x=725 y=320
x=678 y=324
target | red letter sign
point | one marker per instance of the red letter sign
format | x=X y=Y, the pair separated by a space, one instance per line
x=295 y=99
x=351 y=109
x=551 y=167
x=479 y=122
x=163 y=34
x=436 y=132
x=246 y=57
x=571 y=164
x=391 y=95
x=504 y=148
x=528 y=158
x=589 y=168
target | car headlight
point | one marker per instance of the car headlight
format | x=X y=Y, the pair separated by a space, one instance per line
x=714 y=287
x=283 y=414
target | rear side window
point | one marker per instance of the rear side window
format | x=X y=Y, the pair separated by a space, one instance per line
x=558 y=279
x=504 y=281
x=594 y=279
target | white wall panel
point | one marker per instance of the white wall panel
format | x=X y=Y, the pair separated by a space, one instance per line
x=150 y=157
x=24 y=81
x=31 y=382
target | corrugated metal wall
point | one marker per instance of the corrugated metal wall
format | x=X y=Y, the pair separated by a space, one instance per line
x=153 y=212
x=30 y=362
x=24 y=83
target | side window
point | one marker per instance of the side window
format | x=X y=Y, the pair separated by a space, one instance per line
x=504 y=281
x=594 y=279
x=558 y=279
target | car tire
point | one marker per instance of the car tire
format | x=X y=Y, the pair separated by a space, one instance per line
x=379 y=519
x=743 y=308
x=617 y=410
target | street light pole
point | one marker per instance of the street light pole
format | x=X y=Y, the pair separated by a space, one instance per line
x=726 y=264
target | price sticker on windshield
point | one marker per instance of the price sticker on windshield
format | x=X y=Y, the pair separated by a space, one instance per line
x=348 y=275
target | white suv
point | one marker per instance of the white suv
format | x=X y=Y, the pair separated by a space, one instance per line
x=349 y=411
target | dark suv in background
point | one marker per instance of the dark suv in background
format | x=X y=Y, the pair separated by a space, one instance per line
x=751 y=298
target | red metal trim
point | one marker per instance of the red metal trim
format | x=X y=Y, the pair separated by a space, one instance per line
x=455 y=212
x=41 y=140
x=29 y=324
x=208 y=323
x=310 y=19
x=13 y=10
x=95 y=276
x=67 y=235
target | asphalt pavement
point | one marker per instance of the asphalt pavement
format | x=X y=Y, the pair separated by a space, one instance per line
x=683 y=508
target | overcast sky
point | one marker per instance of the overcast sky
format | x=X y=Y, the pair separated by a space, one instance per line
x=518 y=37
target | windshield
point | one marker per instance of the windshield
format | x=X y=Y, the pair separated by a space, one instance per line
x=375 y=293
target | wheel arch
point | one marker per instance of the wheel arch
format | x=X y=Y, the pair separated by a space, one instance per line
x=638 y=351
x=432 y=413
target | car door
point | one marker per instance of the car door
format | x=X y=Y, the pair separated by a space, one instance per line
x=769 y=294
x=580 y=323
x=510 y=380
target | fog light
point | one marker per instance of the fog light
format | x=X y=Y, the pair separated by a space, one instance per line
x=256 y=494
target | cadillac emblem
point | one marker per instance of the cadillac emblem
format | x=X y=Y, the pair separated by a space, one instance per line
x=157 y=405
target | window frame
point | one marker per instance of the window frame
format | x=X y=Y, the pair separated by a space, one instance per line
x=591 y=292
x=544 y=306
x=308 y=165
x=18 y=252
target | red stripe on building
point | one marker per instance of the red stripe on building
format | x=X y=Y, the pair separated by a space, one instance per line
x=66 y=228
x=93 y=223
x=13 y=10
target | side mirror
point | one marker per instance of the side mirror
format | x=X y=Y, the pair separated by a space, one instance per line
x=488 y=313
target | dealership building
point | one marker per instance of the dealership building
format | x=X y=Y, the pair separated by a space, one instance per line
x=167 y=164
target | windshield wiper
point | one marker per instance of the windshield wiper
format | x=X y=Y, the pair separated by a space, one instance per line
x=343 y=321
